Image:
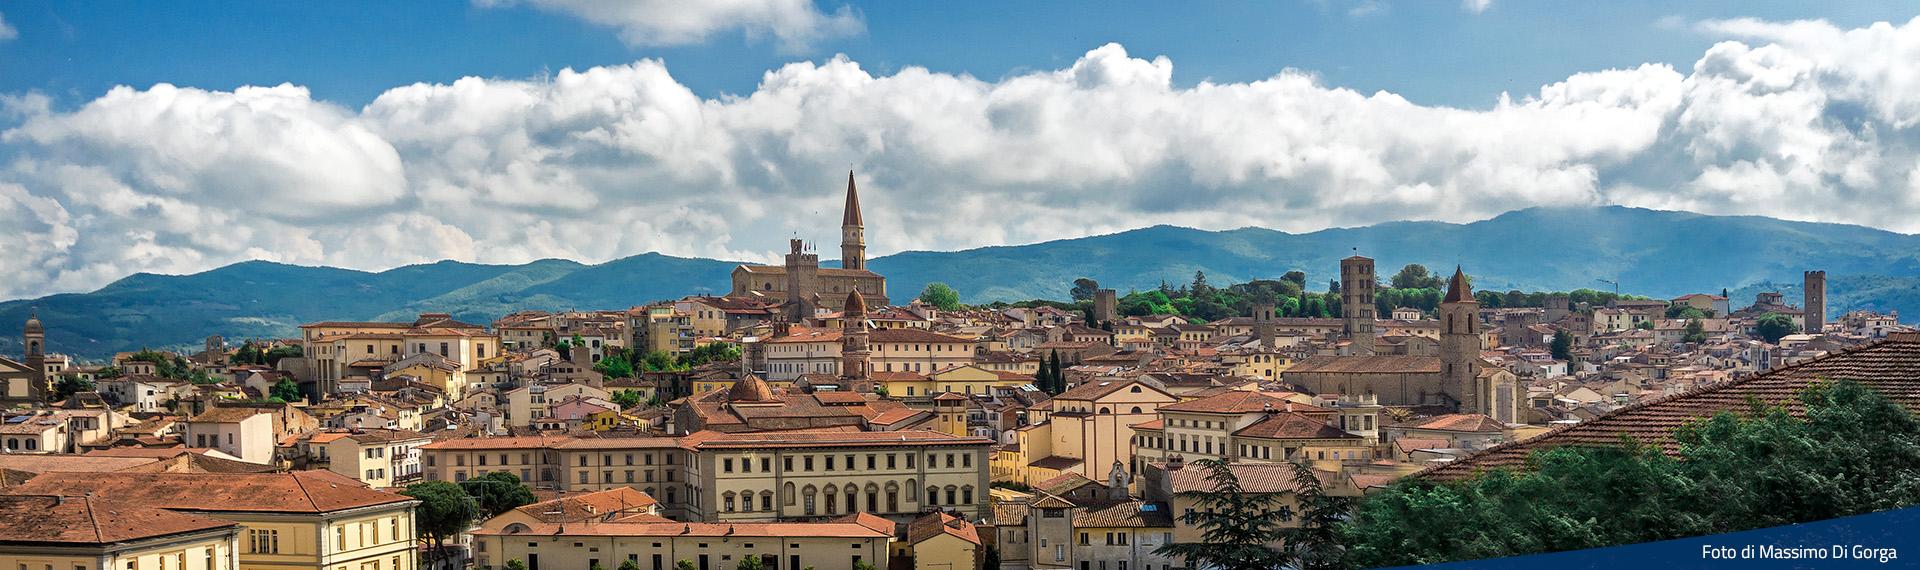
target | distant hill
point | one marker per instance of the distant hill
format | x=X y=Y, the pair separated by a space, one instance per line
x=1656 y=253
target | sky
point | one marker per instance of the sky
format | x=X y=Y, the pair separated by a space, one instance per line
x=177 y=137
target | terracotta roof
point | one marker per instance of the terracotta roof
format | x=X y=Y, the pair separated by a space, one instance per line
x=1154 y=425
x=588 y=505
x=939 y=523
x=1891 y=366
x=1412 y=444
x=1385 y=364
x=1065 y=483
x=295 y=492
x=750 y=389
x=1055 y=462
x=1124 y=514
x=225 y=415
x=71 y=463
x=1459 y=422
x=1254 y=478
x=832 y=438
x=1237 y=402
x=1458 y=291
x=83 y=520
x=1101 y=387
x=1286 y=425
x=1010 y=513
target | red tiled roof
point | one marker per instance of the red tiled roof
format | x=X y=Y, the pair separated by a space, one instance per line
x=939 y=523
x=295 y=492
x=1460 y=422
x=1237 y=402
x=84 y=520
x=1286 y=425
x=1891 y=367
x=1367 y=365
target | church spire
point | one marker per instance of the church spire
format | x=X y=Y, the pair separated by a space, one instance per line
x=853 y=232
x=1457 y=289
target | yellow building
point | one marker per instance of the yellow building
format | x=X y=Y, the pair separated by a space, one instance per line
x=305 y=519
x=1088 y=428
x=656 y=545
x=940 y=541
x=611 y=504
x=342 y=351
x=973 y=379
x=38 y=532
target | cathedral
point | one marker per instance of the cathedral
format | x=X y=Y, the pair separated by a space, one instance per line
x=802 y=285
x=1457 y=380
x=25 y=381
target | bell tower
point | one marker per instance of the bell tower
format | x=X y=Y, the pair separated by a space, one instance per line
x=34 y=337
x=1460 y=345
x=853 y=231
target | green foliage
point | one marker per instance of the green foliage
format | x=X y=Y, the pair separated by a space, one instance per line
x=1415 y=276
x=1083 y=289
x=1853 y=451
x=685 y=565
x=1684 y=311
x=629 y=564
x=498 y=492
x=863 y=565
x=750 y=562
x=614 y=365
x=1644 y=325
x=69 y=385
x=1562 y=346
x=1774 y=326
x=171 y=366
x=661 y=361
x=1234 y=525
x=710 y=352
x=444 y=511
x=286 y=390
x=1694 y=332
x=626 y=398
x=941 y=296
x=516 y=565
x=990 y=559
x=1315 y=542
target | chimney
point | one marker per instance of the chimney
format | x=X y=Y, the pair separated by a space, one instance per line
x=1289 y=407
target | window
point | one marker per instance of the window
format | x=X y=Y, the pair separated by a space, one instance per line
x=263 y=541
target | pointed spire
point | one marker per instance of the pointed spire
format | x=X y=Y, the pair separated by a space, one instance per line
x=852 y=216
x=1457 y=289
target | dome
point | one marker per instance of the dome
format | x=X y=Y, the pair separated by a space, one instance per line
x=33 y=324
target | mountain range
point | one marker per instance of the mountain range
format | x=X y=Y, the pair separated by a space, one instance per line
x=1647 y=252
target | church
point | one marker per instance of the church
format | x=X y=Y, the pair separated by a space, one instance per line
x=26 y=383
x=803 y=285
x=1457 y=380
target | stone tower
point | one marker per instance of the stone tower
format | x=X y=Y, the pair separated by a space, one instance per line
x=1815 y=304
x=1356 y=303
x=34 y=338
x=1104 y=302
x=1263 y=315
x=1460 y=344
x=803 y=272
x=856 y=360
x=853 y=232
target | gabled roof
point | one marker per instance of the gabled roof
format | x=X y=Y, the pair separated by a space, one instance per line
x=1101 y=387
x=1380 y=364
x=85 y=520
x=939 y=523
x=1238 y=402
x=1292 y=425
x=295 y=492
x=1478 y=423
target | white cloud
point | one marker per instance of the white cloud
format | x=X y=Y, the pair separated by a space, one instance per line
x=7 y=32
x=795 y=24
x=1476 y=6
x=1799 y=120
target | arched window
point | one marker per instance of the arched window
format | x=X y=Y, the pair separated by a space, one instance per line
x=808 y=500
x=766 y=501
x=873 y=498
x=953 y=497
x=727 y=501
x=1106 y=410
x=516 y=528
x=933 y=495
x=788 y=491
x=1136 y=409
x=966 y=495
x=913 y=492
x=833 y=499
x=1135 y=389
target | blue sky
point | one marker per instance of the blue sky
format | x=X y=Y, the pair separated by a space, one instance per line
x=349 y=52
x=174 y=137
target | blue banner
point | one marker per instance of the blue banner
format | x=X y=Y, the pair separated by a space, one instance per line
x=1889 y=539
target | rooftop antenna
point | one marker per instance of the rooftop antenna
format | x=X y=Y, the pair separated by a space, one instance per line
x=1614 y=282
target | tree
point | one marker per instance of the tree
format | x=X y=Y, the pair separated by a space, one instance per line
x=941 y=296
x=498 y=492
x=710 y=352
x=516 y=565
x=1083 y=289
x=1562 y=346
x=1297 y=277
x=1644 y=325
x=1774 y=326
x=990 y=559
x=660 y=361
x=750 y=562
x=1315 y=542
x=273 y=356
x=1234 y=524
x=685 y=565
x=71 y=384
x=1694 y=332
x=626 y=398
x=863 y=565
x=629 y=564
x=444 y=512
x=614 y=366
x=1415 y=276
x=286 y=390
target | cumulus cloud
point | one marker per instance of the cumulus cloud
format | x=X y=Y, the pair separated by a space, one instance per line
x=794 y=24
x=1476 y=6
x=7 y=32
x=1801 y=120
